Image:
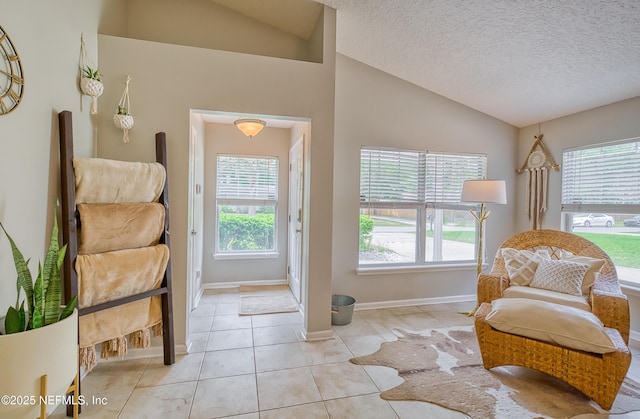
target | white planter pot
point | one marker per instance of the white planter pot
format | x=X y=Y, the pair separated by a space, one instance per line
x=123 y=121
x=91 y=87
x=27 y=356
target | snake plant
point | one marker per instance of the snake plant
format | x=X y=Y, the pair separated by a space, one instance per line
x=44 y=296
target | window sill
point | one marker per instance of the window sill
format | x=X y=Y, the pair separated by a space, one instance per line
x=231 y=256
x=382 y=270
x=629 y=288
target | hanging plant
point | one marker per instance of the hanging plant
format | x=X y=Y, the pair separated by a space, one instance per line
x=90 y=79
x=123 y=119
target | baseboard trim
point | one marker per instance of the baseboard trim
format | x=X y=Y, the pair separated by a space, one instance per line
x=150 y=352
x=315 y=336
x=414 y=302
x=221 y=285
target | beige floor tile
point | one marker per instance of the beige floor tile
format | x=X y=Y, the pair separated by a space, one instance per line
x=363 y=345
x=357 y=327
x=452 y=318
x=306 y=411
x=277 y=319
x=107 y=388
x=272 y=335
x=199 y=341
x=385 y=378
x=208 y=299
x=203 y=310
x=326 y=351
x=230 y=321
x=230 y=339
x=220 y=397
x=200 y=324
x=227 y=363
x=186 y=368
x=422 y=321
x=170 y=401
x=421 y=410
x=227 y=308
x=278 y=357
x=399 y=311
x=284 y=388
x=369 y=406
x=343 y=379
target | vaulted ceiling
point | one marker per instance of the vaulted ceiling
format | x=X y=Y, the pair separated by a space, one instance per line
x=521 y=61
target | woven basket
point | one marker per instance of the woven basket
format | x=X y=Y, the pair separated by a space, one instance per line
x=123 y=121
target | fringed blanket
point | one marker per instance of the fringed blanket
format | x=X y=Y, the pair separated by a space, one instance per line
x=108 y=227
x=102 y=181
x=137 y=320
x=108 y=276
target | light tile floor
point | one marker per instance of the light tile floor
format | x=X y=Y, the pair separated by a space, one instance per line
x=257 y=367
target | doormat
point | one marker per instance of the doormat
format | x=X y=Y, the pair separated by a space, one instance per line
x=266 y=300
x=444 y=367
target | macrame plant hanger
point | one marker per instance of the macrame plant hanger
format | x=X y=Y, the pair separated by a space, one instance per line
x=536 y=167
x=90 y=80
x=123 y=119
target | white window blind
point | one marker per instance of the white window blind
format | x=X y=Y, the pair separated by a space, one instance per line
x=254 y=178
x=390 y=176
x=602 y=178
x=447 y=172
x=413 y=177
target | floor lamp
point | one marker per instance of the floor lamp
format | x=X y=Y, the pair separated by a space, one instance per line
x=483 y=192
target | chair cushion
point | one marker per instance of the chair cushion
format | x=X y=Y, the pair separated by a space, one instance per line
x=577 y=301
x=549 y=322
x=522 y=264
x=592 y=273
x=560 y=275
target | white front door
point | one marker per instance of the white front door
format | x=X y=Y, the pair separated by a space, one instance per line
x=294 y=263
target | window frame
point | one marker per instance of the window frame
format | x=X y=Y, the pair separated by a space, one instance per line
x=422 y=206
x=569 y=209
x=270 y=201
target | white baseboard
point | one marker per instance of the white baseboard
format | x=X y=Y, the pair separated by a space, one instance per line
x=315 y=336
x=414 y=302
x=221 y=285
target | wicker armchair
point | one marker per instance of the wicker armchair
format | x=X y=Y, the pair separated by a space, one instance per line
x=597 y=376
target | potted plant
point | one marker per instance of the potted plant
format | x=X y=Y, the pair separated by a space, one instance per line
x=123 y=119
x=38 y=340
x=91 y=85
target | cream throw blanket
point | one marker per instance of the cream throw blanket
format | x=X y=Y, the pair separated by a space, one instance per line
x=102 y=181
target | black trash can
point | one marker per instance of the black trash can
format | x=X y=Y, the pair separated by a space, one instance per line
x=341 y=309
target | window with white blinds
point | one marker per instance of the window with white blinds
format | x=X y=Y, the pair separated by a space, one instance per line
x=412 y=177
x=410 y=209
x=253 y=178
x=603 y=178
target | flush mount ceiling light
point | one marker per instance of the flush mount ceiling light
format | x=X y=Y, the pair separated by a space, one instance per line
x=249 y=126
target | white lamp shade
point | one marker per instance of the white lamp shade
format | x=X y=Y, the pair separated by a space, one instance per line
x=250 y=127
x=484 y=191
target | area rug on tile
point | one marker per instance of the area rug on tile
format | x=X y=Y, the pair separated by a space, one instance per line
x=444 y=366
x=266 y=299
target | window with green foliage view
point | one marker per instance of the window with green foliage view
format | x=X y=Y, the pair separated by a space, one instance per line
x=247 y=203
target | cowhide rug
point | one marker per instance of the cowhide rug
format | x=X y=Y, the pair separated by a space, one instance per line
x=443 y=366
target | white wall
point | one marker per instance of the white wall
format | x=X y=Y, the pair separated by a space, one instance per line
x=47 y=38
x=169 y=80
x=227 y=139
x=376 y=109
x=617 y=121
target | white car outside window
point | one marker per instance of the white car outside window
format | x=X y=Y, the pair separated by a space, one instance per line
x=588 y=220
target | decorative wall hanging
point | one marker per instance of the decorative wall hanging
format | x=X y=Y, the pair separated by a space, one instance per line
x=536 y=167
x=90 y=78
x=11 y=78
x=123 y=119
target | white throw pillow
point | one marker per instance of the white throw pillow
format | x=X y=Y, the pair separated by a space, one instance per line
x=592 y=273
x=522 y=264
x=560 y=275
x=549 y=322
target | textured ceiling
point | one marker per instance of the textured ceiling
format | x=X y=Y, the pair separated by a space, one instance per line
x=521 y=61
